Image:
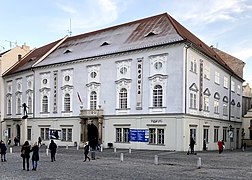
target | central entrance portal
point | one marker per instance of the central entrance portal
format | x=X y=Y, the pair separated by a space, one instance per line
x=92 y=132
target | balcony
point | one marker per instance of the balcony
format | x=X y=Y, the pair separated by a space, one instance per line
x=91 y=113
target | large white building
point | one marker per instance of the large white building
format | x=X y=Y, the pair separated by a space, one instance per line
x=146 y=84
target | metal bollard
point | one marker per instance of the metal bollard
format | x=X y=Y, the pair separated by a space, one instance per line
x=66 y=146
x=11 y=150
x=93 y=155
x=130 y=150
x=77 y=147
x=121 y=157
x=47 y=151
x=114 y=149
x=199 y=163
x=101 y=148
x=156 y=160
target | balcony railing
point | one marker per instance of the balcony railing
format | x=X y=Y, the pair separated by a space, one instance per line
x=89 y=113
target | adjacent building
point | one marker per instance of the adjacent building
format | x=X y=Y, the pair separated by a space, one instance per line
x=146 y=84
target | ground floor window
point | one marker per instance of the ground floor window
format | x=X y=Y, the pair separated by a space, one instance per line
x=216 y=134
x=44 y=133
x=66 y=134
x=156 y=136
x=206 y=132
x=122 y=135
x=193 y=133
x=29 y=134
x=224 y=137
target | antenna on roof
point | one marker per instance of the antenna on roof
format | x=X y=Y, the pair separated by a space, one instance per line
x=217 y=45
x=1 y=47
x=11 y=43
x=70 y=28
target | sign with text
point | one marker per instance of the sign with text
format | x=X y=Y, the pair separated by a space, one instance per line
x=139 y=135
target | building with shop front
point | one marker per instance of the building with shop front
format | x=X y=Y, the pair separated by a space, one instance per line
x=146 y=84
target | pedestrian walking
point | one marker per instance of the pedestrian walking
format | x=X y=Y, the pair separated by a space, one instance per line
x=192 y=143
x=35 y=156
x=25 y=154
x=53 y=147
x=86 y=151
x=220 y=146
x=39 y=141
x=3 y=150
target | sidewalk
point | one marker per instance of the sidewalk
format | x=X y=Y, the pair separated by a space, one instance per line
x=139 y=164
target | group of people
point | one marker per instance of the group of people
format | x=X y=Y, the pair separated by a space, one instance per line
x=27 y=149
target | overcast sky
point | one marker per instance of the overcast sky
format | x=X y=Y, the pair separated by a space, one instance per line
x=225 y=24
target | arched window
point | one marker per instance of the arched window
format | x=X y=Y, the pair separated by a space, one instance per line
x=157 y=96
x=29 y=104
x=93 y=100
x=67 y=102
x=45 y=104
x=18 y=106
x=123 y=98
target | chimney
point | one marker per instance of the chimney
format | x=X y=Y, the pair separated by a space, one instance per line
x=19 y=57
x=25 y=47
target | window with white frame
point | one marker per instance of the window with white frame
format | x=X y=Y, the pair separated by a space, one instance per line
x=225 y=84
x=206 y=103
x=18 y=105
x=238 y=89
x=156 y=136
x=67 y=101
x=193 y=98
x=29 y=104
x=93 y=100
x=224 y=135
x=238 y=114
x=206 y=72
x=123 y=98
x=225 y=106
x=157 y=96
x=67 y=134
x=122 y=135
x=232 y=86
x=45 y=104
x=193 y=133
x=217 y=77
x=44 y=133
x=193 y=67
x=216 y=103
x=233 y=108
x=9 y=105
x=216 y=134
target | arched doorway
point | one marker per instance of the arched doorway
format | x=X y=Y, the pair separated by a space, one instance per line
x=92 y=132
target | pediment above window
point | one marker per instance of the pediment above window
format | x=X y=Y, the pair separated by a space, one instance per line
x=8 y=95
x=232 y=102
x=207 y=92
x=193 y=87
x=28 y=91
x=44 y=89
x=225 y=99
x=123 y=80
x=95 y=84
x=18 y=93
x=160 y=76
x=216 y=96
x=66 y=87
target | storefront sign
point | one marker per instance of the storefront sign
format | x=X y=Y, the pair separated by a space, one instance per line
x=139 y=135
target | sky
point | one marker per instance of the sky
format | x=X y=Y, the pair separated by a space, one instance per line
x=225 y=24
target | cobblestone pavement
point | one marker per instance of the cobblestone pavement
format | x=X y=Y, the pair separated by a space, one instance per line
x=139 y=164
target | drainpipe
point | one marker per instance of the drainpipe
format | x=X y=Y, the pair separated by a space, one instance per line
x=230 y=91
x=186 y=48
x=33 y=102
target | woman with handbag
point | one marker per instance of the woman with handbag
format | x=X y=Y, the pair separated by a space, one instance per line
x=25 y=154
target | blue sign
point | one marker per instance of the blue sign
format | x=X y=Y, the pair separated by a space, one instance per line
x=139 y=135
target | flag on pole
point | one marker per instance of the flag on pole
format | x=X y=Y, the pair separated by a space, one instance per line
x=79 y=97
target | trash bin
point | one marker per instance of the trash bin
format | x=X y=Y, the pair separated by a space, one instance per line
x=92 y=155
x=75 y=144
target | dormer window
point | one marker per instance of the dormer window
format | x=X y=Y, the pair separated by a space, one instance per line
x=151 y=33
x=105 y=43
x=67 y=51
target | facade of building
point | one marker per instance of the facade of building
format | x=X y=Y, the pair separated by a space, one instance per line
x=7 y=60
x=146 y=84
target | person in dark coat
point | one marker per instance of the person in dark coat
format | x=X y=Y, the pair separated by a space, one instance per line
x=3 y=149
x=35 y=156
x=86 y=151
x=53 y=147
x=192 y=143
x=25 y=154
x=39 y=141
